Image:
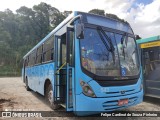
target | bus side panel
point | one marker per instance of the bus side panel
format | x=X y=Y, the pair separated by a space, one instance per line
x=22 y=76
x=37 y=76
x=30 y=80
x=45 y=72
x=28 y=76
x=34 y=78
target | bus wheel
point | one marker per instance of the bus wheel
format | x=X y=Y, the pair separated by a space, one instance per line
x=50 y=99
x=26 y=86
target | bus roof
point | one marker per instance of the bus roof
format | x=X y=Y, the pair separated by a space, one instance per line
x=139 y=41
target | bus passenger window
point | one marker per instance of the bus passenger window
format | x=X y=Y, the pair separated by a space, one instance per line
x=48 y=50
x=52 y=54
x=71 y=50
x=26 y=62
x=32 y=59
x=63 y=49
x=39 y=55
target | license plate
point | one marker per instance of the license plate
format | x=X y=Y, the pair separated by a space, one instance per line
x=123 y=102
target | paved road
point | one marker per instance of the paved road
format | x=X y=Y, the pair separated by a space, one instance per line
x=13 y=96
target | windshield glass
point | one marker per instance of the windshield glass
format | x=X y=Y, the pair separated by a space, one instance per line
x=97 y=59
x=127 y=55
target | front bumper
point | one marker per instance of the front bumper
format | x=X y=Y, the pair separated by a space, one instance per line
x=87 y=105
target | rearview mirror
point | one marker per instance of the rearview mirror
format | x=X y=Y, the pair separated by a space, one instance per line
x=137 y=37
x=79 y=31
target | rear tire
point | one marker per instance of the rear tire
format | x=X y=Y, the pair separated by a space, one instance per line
x=49 y=97
x=26 y=85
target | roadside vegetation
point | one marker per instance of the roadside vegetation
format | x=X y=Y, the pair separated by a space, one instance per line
x=23 y=29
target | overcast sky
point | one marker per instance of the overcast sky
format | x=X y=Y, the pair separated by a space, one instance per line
x=143 y=15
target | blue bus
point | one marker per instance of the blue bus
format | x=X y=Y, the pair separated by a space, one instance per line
x=150 y=59
x=88 y=64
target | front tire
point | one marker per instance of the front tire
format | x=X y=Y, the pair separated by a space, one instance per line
x=49 y=97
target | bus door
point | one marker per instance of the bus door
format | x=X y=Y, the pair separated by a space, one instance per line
x=151 y=67
x=64 y=70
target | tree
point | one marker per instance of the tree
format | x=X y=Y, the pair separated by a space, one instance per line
x=22 y=31
x=66 y=13
x=115 y=17
x=102 y=12
x=27 y=26
x=46 y=18
x=97 y=11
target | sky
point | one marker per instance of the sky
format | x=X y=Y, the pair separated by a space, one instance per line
x=143 y=15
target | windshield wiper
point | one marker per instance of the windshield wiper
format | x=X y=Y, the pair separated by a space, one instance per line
x=109 y=47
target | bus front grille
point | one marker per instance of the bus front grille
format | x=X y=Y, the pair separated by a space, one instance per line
x=121 y=92
x=113 y=105
x=107 y=83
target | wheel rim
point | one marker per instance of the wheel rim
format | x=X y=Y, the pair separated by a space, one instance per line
x=50 y=96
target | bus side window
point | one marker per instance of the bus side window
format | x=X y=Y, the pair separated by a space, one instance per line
x=52 y=54
x=39 y=55
x=71 y=51
x=159 y=54
x=33 y=58
x=24 y=62
x=29 y=61
x=48 y=50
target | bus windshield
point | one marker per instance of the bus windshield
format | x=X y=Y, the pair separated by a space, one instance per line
x=98 y=58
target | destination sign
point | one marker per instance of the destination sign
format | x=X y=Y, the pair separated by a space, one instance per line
x=150 y=44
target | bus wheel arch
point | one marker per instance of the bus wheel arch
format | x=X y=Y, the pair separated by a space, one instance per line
x=48 y=93
x=46 y=84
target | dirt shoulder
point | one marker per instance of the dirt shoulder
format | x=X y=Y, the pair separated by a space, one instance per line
x=14 y=97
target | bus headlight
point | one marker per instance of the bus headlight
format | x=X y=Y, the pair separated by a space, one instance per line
x=87 y=90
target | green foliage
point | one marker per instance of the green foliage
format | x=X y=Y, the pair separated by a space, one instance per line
x=9 y=70
x=115 y=17
x=98 y=12
x=22 y=31
x=102 y=12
